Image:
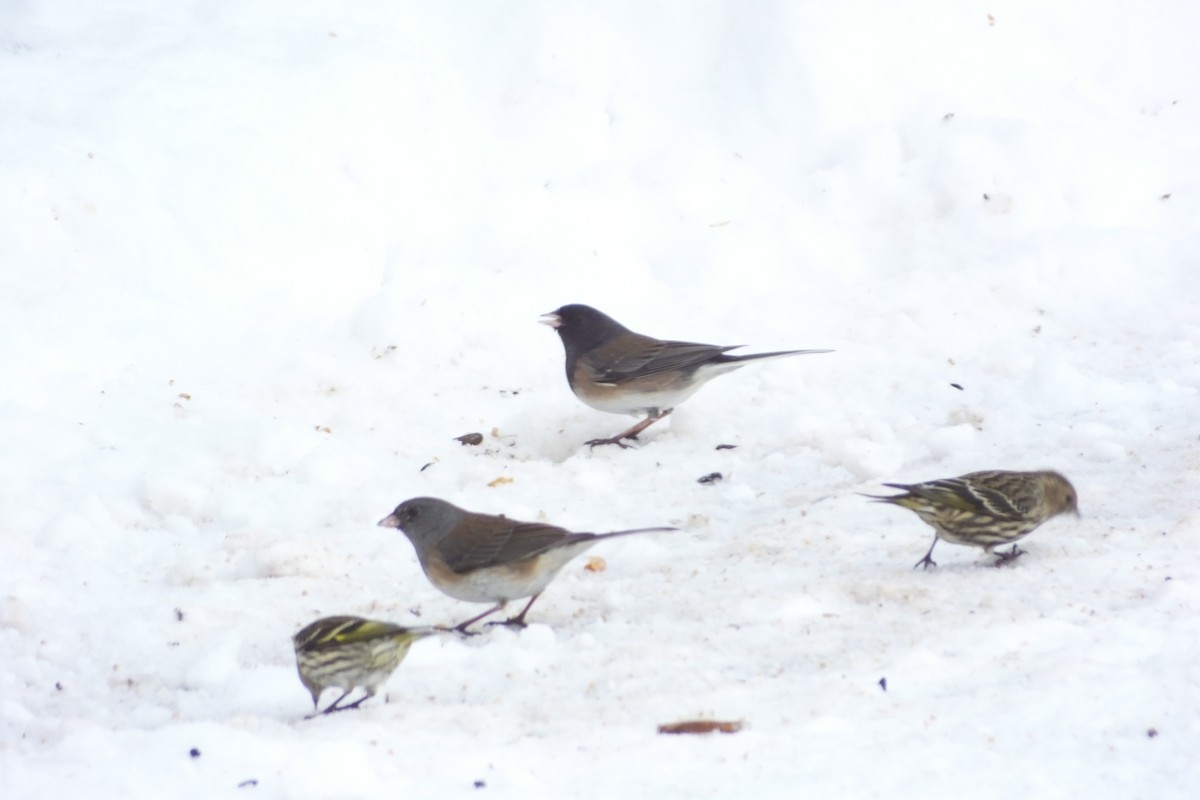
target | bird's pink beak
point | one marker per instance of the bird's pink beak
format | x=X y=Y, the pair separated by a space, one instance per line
x=551 y=319
x=390 y=521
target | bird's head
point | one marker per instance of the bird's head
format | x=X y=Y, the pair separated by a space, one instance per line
x=424 y=520
x=582 y=327
x=1060 y=495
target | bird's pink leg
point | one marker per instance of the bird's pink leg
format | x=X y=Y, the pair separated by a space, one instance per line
x=462 y=626
x=632 y=433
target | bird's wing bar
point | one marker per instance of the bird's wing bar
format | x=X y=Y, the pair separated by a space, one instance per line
x=967 y=496
x=348 y=631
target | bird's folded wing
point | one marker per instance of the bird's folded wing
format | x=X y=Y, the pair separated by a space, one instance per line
x=347 y=631
x=650 y=357
x=498 y=541
x=968 y=497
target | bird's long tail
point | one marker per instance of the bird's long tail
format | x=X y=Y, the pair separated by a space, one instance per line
x=634 y=530
x=776 y=354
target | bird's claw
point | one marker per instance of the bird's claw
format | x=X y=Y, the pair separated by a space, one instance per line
x=334 y=708
x=611 y=440
x=1009 y=556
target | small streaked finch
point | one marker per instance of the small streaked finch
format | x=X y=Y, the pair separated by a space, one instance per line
x=986 y=509
x=348 y=652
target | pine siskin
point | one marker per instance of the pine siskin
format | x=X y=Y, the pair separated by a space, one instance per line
x=986 y=509
x=347 y=652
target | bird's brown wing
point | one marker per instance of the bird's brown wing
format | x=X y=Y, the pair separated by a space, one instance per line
x=489 y=541
x=619 y=361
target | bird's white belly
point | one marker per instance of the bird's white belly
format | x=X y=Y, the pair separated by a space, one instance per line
x=511 y=581
x=640 y=403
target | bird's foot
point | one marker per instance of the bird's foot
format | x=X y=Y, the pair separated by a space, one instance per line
x=355 y=704
x=460 y=629
x=631 y=433
x=925 y=562
x=462 y=626
x=334 y=707
x=512 y=622
x=332 y=710
x=611 y=440
x=1008 y=556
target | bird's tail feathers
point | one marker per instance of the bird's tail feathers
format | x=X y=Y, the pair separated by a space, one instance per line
x=774 y=354
x=633 y=530
x=426 y=630
x=905 y=500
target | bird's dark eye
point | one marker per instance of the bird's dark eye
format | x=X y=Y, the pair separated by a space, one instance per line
x=412 y=513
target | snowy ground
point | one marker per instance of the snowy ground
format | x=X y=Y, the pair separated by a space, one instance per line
x=262 y=260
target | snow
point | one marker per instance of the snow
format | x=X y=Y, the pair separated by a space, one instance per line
x=262 y=261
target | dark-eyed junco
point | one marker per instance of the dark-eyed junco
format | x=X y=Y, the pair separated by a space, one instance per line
x=613 y=369
x=348 y=652
x=485 y=559
x=986 y=509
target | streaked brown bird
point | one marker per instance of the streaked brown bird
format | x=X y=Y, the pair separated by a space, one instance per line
x=349 y=652
x=481 y=558
x=986 y=509
x=613 y=369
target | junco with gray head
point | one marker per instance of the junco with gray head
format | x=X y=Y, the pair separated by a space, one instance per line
x=613 y=369
x=482 y=558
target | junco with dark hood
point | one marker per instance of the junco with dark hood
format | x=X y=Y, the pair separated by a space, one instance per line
x=613 y=369
x=482 y=558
